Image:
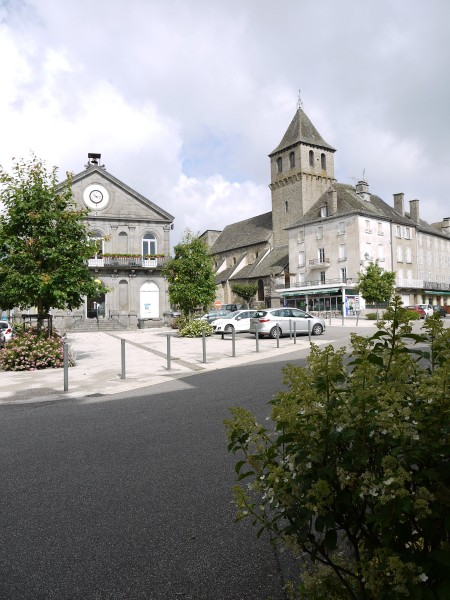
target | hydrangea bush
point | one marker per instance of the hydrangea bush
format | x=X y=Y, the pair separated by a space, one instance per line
x=194 y=328
x=31 y=350
x=354 y=477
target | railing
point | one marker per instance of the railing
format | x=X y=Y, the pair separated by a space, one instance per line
x=312 y=283
x=409 y=283
x=319 y=262
x=128 y=262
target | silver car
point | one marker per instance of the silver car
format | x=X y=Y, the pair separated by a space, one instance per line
x=280 y=321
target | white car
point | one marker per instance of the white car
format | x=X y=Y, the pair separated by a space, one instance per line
x=427 y=308
x=237 y=321
x=6 y=329
x=276 y=322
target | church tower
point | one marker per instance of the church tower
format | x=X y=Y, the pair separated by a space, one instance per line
x=302 y=169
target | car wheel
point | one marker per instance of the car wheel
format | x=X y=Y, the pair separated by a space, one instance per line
x=317 y=329
x=229 y=329
x=273 y=332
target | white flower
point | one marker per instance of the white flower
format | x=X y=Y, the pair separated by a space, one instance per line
x=339 y=429
x=389 y=481
x=308 y=465
x=423 y=577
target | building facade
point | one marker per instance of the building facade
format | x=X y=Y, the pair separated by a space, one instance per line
x=133 y=237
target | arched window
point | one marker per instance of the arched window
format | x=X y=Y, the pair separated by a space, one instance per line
x=311 y=158
x=323 y=161
x=97 y=237
x=149 y=244
x=123 y=242
x=260 y=290
x=291 y=160
x=279 y=164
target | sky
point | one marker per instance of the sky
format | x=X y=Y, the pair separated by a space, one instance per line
x=185 y=99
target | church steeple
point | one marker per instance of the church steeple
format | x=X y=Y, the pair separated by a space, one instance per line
x=302 y=169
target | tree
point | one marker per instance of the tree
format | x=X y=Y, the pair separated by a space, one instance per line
x=190 y=275
x=246 y=291
x=376 y=285
x=355 y=476
x=44 y=242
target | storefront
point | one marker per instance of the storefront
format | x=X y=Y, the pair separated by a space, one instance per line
x=332 y=301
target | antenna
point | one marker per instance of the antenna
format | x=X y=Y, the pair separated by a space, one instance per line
x=364 y=175
x=299 y=101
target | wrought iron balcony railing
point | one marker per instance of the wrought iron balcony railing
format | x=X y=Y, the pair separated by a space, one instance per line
x=129 y=262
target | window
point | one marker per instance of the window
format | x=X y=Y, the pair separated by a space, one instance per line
x=380 y=228
x=368 y=252
x=322 y=277
x=399 y=254
x=342 y=252
x=323 y=161
x=381 y=252
x=286 y=206
x=324 y=211
x=301 y=236
x=321 y=254
x=301 y=259
x=341 y=228
x=407 y=233
x=291 y=160
x=279 y=164
x=319 y=233
x=311 y=158
x=97 y=237
x=408 y=255
x=368 y=227
x=149 y=244
x=398 y=231
x=344 y=274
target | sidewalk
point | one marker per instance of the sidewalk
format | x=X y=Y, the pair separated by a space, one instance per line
x=98 y=366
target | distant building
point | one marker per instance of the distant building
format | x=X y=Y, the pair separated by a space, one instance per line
x=309 y=250
x=133 y=237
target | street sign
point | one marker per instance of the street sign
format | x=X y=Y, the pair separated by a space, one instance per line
x=217 y=304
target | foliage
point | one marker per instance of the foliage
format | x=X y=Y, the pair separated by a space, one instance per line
x=371 y=316
x=33 y=349
x=376 y=285
x=195 y=328
x=246 y=291
x=355 y=476
x=179 y=322
x=190 y=275
x=44 y=242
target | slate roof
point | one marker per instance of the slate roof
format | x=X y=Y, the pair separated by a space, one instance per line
x=275 y=261
x=252 y=231
x=349 y=202
x=301 y=130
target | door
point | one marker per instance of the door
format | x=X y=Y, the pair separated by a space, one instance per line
x=301 y=320
x=149 y=301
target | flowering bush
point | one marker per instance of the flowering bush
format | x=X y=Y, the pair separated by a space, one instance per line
x=195 y=328
x=31 y=350
x=355 y=477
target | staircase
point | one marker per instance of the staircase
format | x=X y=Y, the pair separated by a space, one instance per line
x=87 y=325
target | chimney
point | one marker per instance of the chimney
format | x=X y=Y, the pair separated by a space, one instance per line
x=362 y=189
x=446 y=225
x=332 y=201
x=398 y=204
x=414 y=210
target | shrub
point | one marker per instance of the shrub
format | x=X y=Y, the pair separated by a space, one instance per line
x=355 y=477
x=179 y=322
x=195 y=328
x=31 y=350
x=371 y=316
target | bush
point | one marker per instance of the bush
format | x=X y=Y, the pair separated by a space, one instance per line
x=195 y=328
x=31 y=350
x=371 y=316
x=179 y=322
x=355 y=476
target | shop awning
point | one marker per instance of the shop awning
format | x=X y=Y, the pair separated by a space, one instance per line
x=435 y=293
x=309 y=292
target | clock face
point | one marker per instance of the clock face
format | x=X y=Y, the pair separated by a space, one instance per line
x=96 y=196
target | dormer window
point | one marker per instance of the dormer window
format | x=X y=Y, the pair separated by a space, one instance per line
x=280 y=165
x=324 y=211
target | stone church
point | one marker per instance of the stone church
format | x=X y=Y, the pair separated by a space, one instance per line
x=256 y=250
x=133 y=237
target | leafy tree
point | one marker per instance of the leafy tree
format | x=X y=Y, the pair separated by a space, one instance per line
x=246 y=291
x=44 y=242
x=355 y=476
x=376 y=285
x=190 y=274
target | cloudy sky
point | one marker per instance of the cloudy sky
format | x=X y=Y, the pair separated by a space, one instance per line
x=185 y=99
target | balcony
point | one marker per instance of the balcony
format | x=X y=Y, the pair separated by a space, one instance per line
x=129 y=261
x=319 y=263
x=280 y=282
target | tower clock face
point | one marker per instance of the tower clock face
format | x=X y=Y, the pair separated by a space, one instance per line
x=96 y=196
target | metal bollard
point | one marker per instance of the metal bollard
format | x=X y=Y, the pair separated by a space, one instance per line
x=295 y=332
x=257 y=336
x=309 y=329
x=290 y=329
x=204 y=346
x=122 y=354
x=233 y=342
x=278 y=335
x=168 y=352
x=66 y=365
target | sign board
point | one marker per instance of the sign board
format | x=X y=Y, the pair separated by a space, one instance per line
x=217 y=304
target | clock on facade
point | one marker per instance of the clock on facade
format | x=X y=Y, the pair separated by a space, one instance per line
x=96 y=196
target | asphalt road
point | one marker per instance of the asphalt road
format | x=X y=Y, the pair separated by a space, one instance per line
x=130 y=498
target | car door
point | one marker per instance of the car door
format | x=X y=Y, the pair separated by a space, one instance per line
x=242 y=321
x=301 y=320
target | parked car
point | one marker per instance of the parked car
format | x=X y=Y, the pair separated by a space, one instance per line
x=416 y=309
x=215 y=314
x=427 y=308
x=440 y=310
x=271 y=320
x=2 y=339
x=7 y=330
x=235 y=321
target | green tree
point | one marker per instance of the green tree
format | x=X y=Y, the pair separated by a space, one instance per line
x=355 y=476
x=246 y=291
x=44 y=242
x=190 y=275
x=376 y=285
